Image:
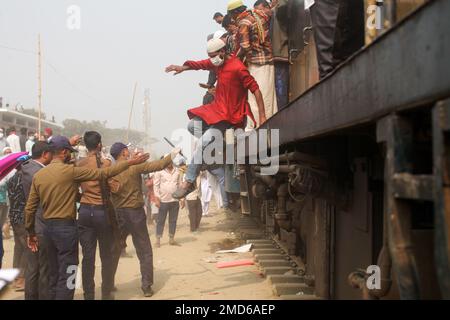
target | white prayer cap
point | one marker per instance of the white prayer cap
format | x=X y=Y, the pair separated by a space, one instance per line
x=215 y=45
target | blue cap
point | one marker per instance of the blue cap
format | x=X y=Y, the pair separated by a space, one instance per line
x=117 y=148
x=61 y=142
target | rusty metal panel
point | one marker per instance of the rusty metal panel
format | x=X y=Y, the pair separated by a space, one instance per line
x=378 y=80
x=320 y=247
x=413 y=187
x=441 y=146
x=353 y=239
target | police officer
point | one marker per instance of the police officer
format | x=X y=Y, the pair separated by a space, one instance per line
x=55 y=188
x=129 y=202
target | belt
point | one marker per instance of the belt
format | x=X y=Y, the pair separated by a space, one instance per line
x=94 y=206
x=60 y=222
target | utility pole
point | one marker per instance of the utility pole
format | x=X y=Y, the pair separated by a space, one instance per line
x=147 y=123
x=131 y=112
x=39 y=87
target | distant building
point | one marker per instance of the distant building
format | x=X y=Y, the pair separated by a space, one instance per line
x=9 y=118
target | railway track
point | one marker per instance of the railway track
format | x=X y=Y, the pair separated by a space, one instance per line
x=284 y=272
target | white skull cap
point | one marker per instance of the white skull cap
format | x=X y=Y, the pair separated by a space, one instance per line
x=215 y=45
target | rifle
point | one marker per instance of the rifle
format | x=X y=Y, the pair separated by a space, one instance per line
x=119 y=240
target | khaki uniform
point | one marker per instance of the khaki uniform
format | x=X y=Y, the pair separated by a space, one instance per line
x=126 y=187
x=128 y=199
x=91 y=191
x=55 y=187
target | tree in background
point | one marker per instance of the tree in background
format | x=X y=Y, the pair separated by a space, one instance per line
x=73 y=127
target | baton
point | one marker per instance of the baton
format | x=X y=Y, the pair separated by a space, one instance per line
x=173 y=146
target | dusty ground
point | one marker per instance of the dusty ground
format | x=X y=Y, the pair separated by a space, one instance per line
x=187 y=272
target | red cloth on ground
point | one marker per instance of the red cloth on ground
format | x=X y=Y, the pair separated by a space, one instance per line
x=231 y=99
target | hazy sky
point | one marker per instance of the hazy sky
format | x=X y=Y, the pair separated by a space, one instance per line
x=89 y=73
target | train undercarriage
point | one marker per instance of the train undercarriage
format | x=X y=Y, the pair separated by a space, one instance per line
x=364 y=174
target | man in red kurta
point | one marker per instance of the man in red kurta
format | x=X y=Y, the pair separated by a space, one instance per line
x=229 y=109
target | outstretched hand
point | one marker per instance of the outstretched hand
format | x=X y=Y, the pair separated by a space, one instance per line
x=175 y=69
x=75 y=140
x=138 y=159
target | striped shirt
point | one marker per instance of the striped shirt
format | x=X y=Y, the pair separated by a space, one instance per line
x=254 y=37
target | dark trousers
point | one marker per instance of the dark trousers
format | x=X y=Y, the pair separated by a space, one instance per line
x=195 y=213
x=93 y=228
x=62 y=239
x=282 y=83
x=20 y=248
x=134 y=222
x=171 y=209
x=208 y=98
x=37 y=272
x=324 y=16
x=339 y=31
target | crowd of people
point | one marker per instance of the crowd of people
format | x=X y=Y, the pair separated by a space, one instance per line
x=13 y=143
x=60 y=200
x=57 y=202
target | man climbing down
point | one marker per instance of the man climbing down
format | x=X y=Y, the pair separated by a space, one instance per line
x=229 y=110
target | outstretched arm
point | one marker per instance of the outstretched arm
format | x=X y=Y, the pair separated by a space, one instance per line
x=250 y=83
x=177 y=69
x=149 y=167
x=191 y=65
x=82 y=174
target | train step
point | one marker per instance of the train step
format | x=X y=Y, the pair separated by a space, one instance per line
x=267 y=251
x=281 y=289
x=278 y=256
x=263 y=246
x=277 y=270
x=276 y=279
x=260 y=241
x=252 y=234
x=275 y=263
